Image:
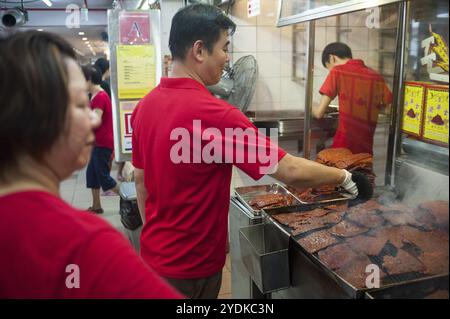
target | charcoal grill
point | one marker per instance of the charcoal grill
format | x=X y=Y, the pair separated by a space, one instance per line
x=311 y=278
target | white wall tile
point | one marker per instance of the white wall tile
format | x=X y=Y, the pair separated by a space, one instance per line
x=268 y=90
x=331 y=21
x=292 y=91
x=358 y=39
x=268 y=39
x=244 y=40
x=331 y=35
x=286 y=64
x=268 y=16
x=319 y=69
x=320 y=38
x=374 y=39
x=269 y=64
x=286 y=39
x=294 y=105
x=358 y=19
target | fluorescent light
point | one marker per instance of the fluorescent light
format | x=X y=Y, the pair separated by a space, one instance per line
x=47 y=2
x=84 y=39
x=80 y=33
x=442 y=15
x=40 y=30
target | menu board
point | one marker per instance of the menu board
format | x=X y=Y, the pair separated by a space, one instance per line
x=436 y=117
x=413 y=108
x=136 y=70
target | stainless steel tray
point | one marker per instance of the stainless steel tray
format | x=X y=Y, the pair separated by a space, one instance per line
x=334 y=197
x=247 y=193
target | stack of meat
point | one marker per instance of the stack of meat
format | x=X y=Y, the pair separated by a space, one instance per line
x=345 y=159
x=340 y=158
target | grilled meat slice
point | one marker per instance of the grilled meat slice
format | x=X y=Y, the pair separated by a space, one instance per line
x=270 y=200
x=367 y=245
x=342 y=207
x=396 y=235
x=317 y=241
x=347 y=229
x=337 y=256
x=369 y=219
x=439 y=209
x=333 y=218
x=305 y=226
x=436 y=263
x=402 y=263
x=397 y=218
x=355 y=272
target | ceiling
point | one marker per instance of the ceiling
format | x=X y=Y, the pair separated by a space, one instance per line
x=93 y=33
x=57 y=4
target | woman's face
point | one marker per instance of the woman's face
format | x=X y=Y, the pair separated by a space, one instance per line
x=73 y=148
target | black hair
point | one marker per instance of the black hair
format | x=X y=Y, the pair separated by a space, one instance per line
x=338 y=49
x=92 y=73
x=34 y=95
x=197 y=22
x=102 y=64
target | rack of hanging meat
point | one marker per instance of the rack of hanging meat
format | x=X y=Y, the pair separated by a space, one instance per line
x=382 y=245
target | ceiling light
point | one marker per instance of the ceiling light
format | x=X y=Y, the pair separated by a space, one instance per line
x=47 y=2
x=40 y=30
x=84 y=39
x=80 y=33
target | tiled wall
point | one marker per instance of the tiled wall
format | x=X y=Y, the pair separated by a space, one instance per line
x=272 y=47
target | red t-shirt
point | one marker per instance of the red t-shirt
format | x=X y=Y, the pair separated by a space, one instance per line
x=362 y=91
x=187 y=204
x=40 y=236
x=104 y=133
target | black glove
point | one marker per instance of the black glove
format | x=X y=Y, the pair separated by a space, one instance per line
x=365 y=188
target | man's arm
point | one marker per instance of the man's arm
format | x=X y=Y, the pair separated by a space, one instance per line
x=141 y=191
x=319 y=110
x=301 y=173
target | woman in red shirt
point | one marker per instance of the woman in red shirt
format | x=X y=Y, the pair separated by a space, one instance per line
x=49 y=249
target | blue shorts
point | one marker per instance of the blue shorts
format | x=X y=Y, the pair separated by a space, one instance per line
x=97 y=173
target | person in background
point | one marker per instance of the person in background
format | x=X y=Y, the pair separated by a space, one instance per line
x=103 y=65
x=362 y=94
x=98 y=170
x=50 y=249
x=184 y=205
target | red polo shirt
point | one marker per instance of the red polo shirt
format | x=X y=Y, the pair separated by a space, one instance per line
x=187 y=205
x=104 y=133
x=42 y=239
x=362 y=91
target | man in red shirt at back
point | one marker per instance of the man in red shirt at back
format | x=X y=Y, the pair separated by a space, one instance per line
x=362 y=94
x=185 y=143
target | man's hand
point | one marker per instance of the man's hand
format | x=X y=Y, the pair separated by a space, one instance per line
x=349 y=185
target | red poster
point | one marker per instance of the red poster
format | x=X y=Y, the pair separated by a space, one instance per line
x=128 y=128
x=134 y=28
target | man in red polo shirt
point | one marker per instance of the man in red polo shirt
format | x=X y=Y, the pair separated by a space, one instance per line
x=362 y=94
x=185 y=142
